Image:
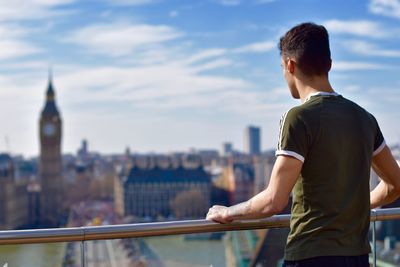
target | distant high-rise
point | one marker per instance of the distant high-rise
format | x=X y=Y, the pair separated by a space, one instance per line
x=50 y=130
x=227 y=149
x=83 y=150
x=252 y=140
x=84 y=146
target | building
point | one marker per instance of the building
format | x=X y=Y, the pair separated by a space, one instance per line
x=252 y=140
x=227 y=149
x=50 y=164
x=237 y=179
x=13 y=196
x=34 y=195
x=241 y=180
x=83 y=150
x=262 y=165
x=161 y=192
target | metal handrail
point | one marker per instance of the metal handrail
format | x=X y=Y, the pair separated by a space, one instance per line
x=156 y=229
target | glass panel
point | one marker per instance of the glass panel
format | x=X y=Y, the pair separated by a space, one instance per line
x=387 y=243
x=239 y=248
x=106 y=253
x=43 y=255
x=372 y=241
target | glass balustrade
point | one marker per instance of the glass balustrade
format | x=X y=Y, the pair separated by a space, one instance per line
x=43 y=255
x=181 y=243
x=219 y=249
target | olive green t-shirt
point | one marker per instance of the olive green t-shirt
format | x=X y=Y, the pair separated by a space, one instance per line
x=335 y=139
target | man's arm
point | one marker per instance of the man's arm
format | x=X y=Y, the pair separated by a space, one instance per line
x=388 y=190
x=270 y=201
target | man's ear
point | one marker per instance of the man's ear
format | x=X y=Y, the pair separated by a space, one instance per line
x=291 y=65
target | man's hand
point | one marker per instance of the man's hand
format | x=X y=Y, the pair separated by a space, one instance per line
x=219 y=214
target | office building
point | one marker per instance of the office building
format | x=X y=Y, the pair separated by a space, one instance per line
x=252 y=140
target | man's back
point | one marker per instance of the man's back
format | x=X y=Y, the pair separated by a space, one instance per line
x=325 y=151
x=336 y=139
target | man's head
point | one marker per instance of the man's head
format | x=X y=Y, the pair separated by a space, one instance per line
x=305 y=47
x=308 y=45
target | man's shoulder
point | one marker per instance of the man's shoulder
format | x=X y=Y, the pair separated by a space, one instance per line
x=304 y=112
x=361 y=110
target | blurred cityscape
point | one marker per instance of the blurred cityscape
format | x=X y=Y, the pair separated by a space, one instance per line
x=167 y=76
x=89 y=188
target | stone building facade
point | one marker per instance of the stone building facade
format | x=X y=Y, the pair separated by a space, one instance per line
x=154 y=192
x=13 y=196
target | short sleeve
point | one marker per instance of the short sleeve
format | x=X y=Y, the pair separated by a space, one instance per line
x=293 y=139
x=379 y=141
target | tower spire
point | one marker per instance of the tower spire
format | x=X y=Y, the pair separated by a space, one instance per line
x=50 y=74
x=50 y=90
x=50 y=103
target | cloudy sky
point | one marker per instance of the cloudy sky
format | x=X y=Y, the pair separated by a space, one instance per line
x=169 y=75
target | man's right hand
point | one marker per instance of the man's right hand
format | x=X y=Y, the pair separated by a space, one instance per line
x=219 y=214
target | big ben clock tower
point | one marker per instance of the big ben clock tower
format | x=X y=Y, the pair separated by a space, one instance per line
x=50 y=160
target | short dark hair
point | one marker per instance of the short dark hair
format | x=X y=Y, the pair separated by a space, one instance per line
x=308 y=44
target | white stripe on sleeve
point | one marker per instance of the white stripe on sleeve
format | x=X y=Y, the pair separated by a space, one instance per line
x=379 y=149
x=281 y=130
x=290 y=153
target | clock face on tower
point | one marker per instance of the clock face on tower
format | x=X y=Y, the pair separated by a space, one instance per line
x=49 y=129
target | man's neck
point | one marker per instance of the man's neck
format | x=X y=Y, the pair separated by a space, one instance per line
x=312 y=86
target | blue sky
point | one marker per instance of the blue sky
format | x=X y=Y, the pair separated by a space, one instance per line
x=161 y=76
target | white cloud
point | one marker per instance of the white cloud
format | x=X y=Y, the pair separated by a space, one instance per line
x=133 y=2
x=12 y=43
x=141 y=84
x=121 y=38
x=31 y=9
x=228 y=2
x=12 y=31
x=216 y=64
x=256 y=47
x=369 y=49
x=20 y=99
x=14 y=49
x=390 y=8
x=146 y=45
x=355 y=65
x=24 y=65
x=207 y=54
x=363 y=28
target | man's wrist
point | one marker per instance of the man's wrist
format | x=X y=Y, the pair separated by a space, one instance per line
x=239 y=210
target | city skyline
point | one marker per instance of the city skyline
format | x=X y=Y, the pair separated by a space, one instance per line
x=161 y=76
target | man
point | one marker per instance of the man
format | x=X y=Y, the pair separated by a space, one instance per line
x=326 y=148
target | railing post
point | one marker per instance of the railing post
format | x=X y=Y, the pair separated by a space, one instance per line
x=83 y=254
x=83 y=257
x=373 y=218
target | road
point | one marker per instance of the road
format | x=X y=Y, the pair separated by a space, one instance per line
x=105 y=253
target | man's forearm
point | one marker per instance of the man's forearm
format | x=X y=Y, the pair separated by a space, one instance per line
x=270 y=201
x=383 y=194
x=260 y=206
x=386 y=167
x=240 y=210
